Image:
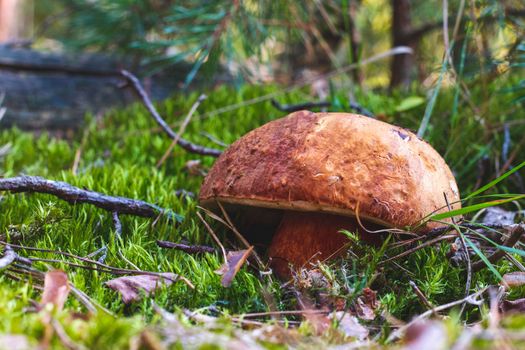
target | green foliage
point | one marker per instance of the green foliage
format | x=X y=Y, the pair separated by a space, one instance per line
x=162 y=33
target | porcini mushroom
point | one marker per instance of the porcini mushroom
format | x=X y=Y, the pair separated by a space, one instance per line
x=302 y=178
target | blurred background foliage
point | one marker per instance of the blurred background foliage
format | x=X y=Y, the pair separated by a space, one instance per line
x=286 y=40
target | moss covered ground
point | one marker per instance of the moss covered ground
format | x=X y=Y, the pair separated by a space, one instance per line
x=117 y=154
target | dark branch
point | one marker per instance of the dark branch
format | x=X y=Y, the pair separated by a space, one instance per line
x=444 y=229
x=190 y=249
x=75 y=195
x=361 y=110
x=117 y=224
x=321 y=104
x=185 y=144
x=515 y=234
x=300 y=106
x=8 y=258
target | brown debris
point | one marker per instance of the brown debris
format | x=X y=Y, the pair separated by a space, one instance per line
x=232 y=265
x=130 y=287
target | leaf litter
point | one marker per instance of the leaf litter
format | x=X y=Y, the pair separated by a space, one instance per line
x=133 y=288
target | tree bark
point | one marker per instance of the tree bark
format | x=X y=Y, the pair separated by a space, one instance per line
x=402 y=65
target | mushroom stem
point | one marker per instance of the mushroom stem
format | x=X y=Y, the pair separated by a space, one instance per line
x=304 y=237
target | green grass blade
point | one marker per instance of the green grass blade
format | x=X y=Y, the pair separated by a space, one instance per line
x=483 y=258
x=496 y=181
x=430 y=106
x=474 y=207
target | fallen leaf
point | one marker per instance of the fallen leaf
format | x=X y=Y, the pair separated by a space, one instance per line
x=146 y=340
x=514 y=279
x=130 y=287
x=366 y=305
x=350 y=326
x=319 y=321
x=56 y=289
x=428 y=335
x=364 y=311
x=232 y=265
x=194 y=167
x=14 y=342
x=517 y=305
x=370 y=297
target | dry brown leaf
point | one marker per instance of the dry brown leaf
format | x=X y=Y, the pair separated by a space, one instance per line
x=427 y=334
x=514 y=279
x=350 y=326
x=366 y=305
x=517 y=305
x=364 y=311
x=195 y=168
x=320 y=322
x=147 y=340
x=14 y=342
x=130 y=287
x=56 y=289
x=232 y=265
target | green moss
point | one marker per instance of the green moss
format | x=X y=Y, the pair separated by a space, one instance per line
x=118 y=156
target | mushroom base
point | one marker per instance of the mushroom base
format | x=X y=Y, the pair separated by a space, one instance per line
x=305 y=237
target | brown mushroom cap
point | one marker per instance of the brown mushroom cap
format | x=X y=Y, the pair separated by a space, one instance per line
x=337 y=163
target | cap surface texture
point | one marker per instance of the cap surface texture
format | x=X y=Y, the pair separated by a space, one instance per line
x=337 y=163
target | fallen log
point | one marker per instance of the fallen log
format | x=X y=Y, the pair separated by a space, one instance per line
x=55 y=91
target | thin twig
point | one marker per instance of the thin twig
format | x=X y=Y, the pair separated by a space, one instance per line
x=515 y=234
x=182 y=128
x=421 y=246
x=214 y=139
x=8 y=258
x=321 y=104
x=422 y=298
x=471 y=299
x=398 y=50
x=190 y=249
x=118 y=235
x=247 y=245
x=213 y=235
x=300 y=106
x=103 y=251
x=66 y=341
x=102 y=267
x=443 y=229
x=73 y=195
x=78 y=152
x=84 y=299
x=360 y=109
x=117 y=224
x=515 y=261
x=467 y=256
x=184 y=193
x=285 y=312
x=187 y=145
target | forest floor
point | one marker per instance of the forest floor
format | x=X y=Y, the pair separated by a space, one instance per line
x=118 y=154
